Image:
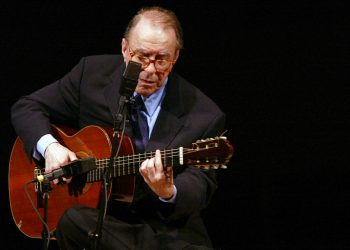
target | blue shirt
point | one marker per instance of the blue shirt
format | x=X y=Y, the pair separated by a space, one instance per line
x=153 y=104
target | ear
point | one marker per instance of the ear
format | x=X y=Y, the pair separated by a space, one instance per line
x=124 y=49
x=177 y=54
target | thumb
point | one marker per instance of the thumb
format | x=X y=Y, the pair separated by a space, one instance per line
x=72 y=156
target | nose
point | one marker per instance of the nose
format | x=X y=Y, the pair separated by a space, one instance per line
x=151 y=67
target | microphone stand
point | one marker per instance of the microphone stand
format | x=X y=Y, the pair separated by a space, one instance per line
x=45 y=234
x=120 y=118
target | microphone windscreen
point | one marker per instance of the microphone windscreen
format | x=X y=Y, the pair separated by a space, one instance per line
x=130 y=79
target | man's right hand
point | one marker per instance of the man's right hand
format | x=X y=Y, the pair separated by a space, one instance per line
x=55 y=156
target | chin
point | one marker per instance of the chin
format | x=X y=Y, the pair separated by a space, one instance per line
x=145 y=91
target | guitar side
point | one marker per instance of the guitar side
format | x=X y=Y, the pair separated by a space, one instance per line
x=91 y=141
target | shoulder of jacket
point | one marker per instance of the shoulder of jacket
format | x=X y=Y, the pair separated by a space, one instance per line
x=192 y=95
x=102 y=59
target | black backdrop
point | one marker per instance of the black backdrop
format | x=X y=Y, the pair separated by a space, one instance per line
x=279 y=71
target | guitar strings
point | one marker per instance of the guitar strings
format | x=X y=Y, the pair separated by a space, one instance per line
x=122 y=164
x=128 y=164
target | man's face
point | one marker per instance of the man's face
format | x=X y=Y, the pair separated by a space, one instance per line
x=156 y=49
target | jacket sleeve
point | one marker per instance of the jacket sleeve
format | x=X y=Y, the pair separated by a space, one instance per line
x=195 y=187
x=58 y=102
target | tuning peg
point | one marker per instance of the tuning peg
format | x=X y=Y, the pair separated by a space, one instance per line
x=223 y=167
x=223 y=137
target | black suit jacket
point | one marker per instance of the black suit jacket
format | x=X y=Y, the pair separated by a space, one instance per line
x=89 y=95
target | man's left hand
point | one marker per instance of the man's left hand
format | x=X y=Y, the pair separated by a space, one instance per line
x=159 y=179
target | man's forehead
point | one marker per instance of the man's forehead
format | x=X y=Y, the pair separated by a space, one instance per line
x=148 y=32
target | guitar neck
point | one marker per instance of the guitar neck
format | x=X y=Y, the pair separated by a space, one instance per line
x=129 y=164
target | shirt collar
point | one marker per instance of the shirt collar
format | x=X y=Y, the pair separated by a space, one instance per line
x=154 y=100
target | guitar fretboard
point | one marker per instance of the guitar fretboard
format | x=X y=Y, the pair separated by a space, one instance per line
x=129 y=164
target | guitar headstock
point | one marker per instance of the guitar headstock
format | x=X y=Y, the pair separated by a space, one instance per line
x=211 y=153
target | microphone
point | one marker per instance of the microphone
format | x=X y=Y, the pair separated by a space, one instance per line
x=76 y=167
x=130 y=79
x=127 y=88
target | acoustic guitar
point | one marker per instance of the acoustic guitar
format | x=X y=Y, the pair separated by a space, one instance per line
x=93 y=144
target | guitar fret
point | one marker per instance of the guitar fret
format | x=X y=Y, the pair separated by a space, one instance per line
x=95 y=173
x=123 y=167
x=133 y=165
x=138 y=162
x=130 y=163
x=98 y=173
x=114 y=169
x=172 y=157
x=128 y=166
x=118 y=164
x=126 y=162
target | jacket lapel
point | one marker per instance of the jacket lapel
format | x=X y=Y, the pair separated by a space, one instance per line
x=111 y=91
x=169 y=120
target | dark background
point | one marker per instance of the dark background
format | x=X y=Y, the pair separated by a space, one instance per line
x=279 y=71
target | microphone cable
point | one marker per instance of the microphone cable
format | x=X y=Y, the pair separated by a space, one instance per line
x=25 y=187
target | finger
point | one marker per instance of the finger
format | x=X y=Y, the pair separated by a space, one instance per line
x=158 y=162
x=67 y=180
x=72 y=156
x=169 y=175
x=169 y=172
x=55 y=181
x=143 y=168
x=50 y=167
x=150 y=167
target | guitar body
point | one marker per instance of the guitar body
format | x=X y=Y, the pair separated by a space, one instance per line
x=91 y=141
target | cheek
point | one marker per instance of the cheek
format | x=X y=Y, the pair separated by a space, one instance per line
x=161 y=79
